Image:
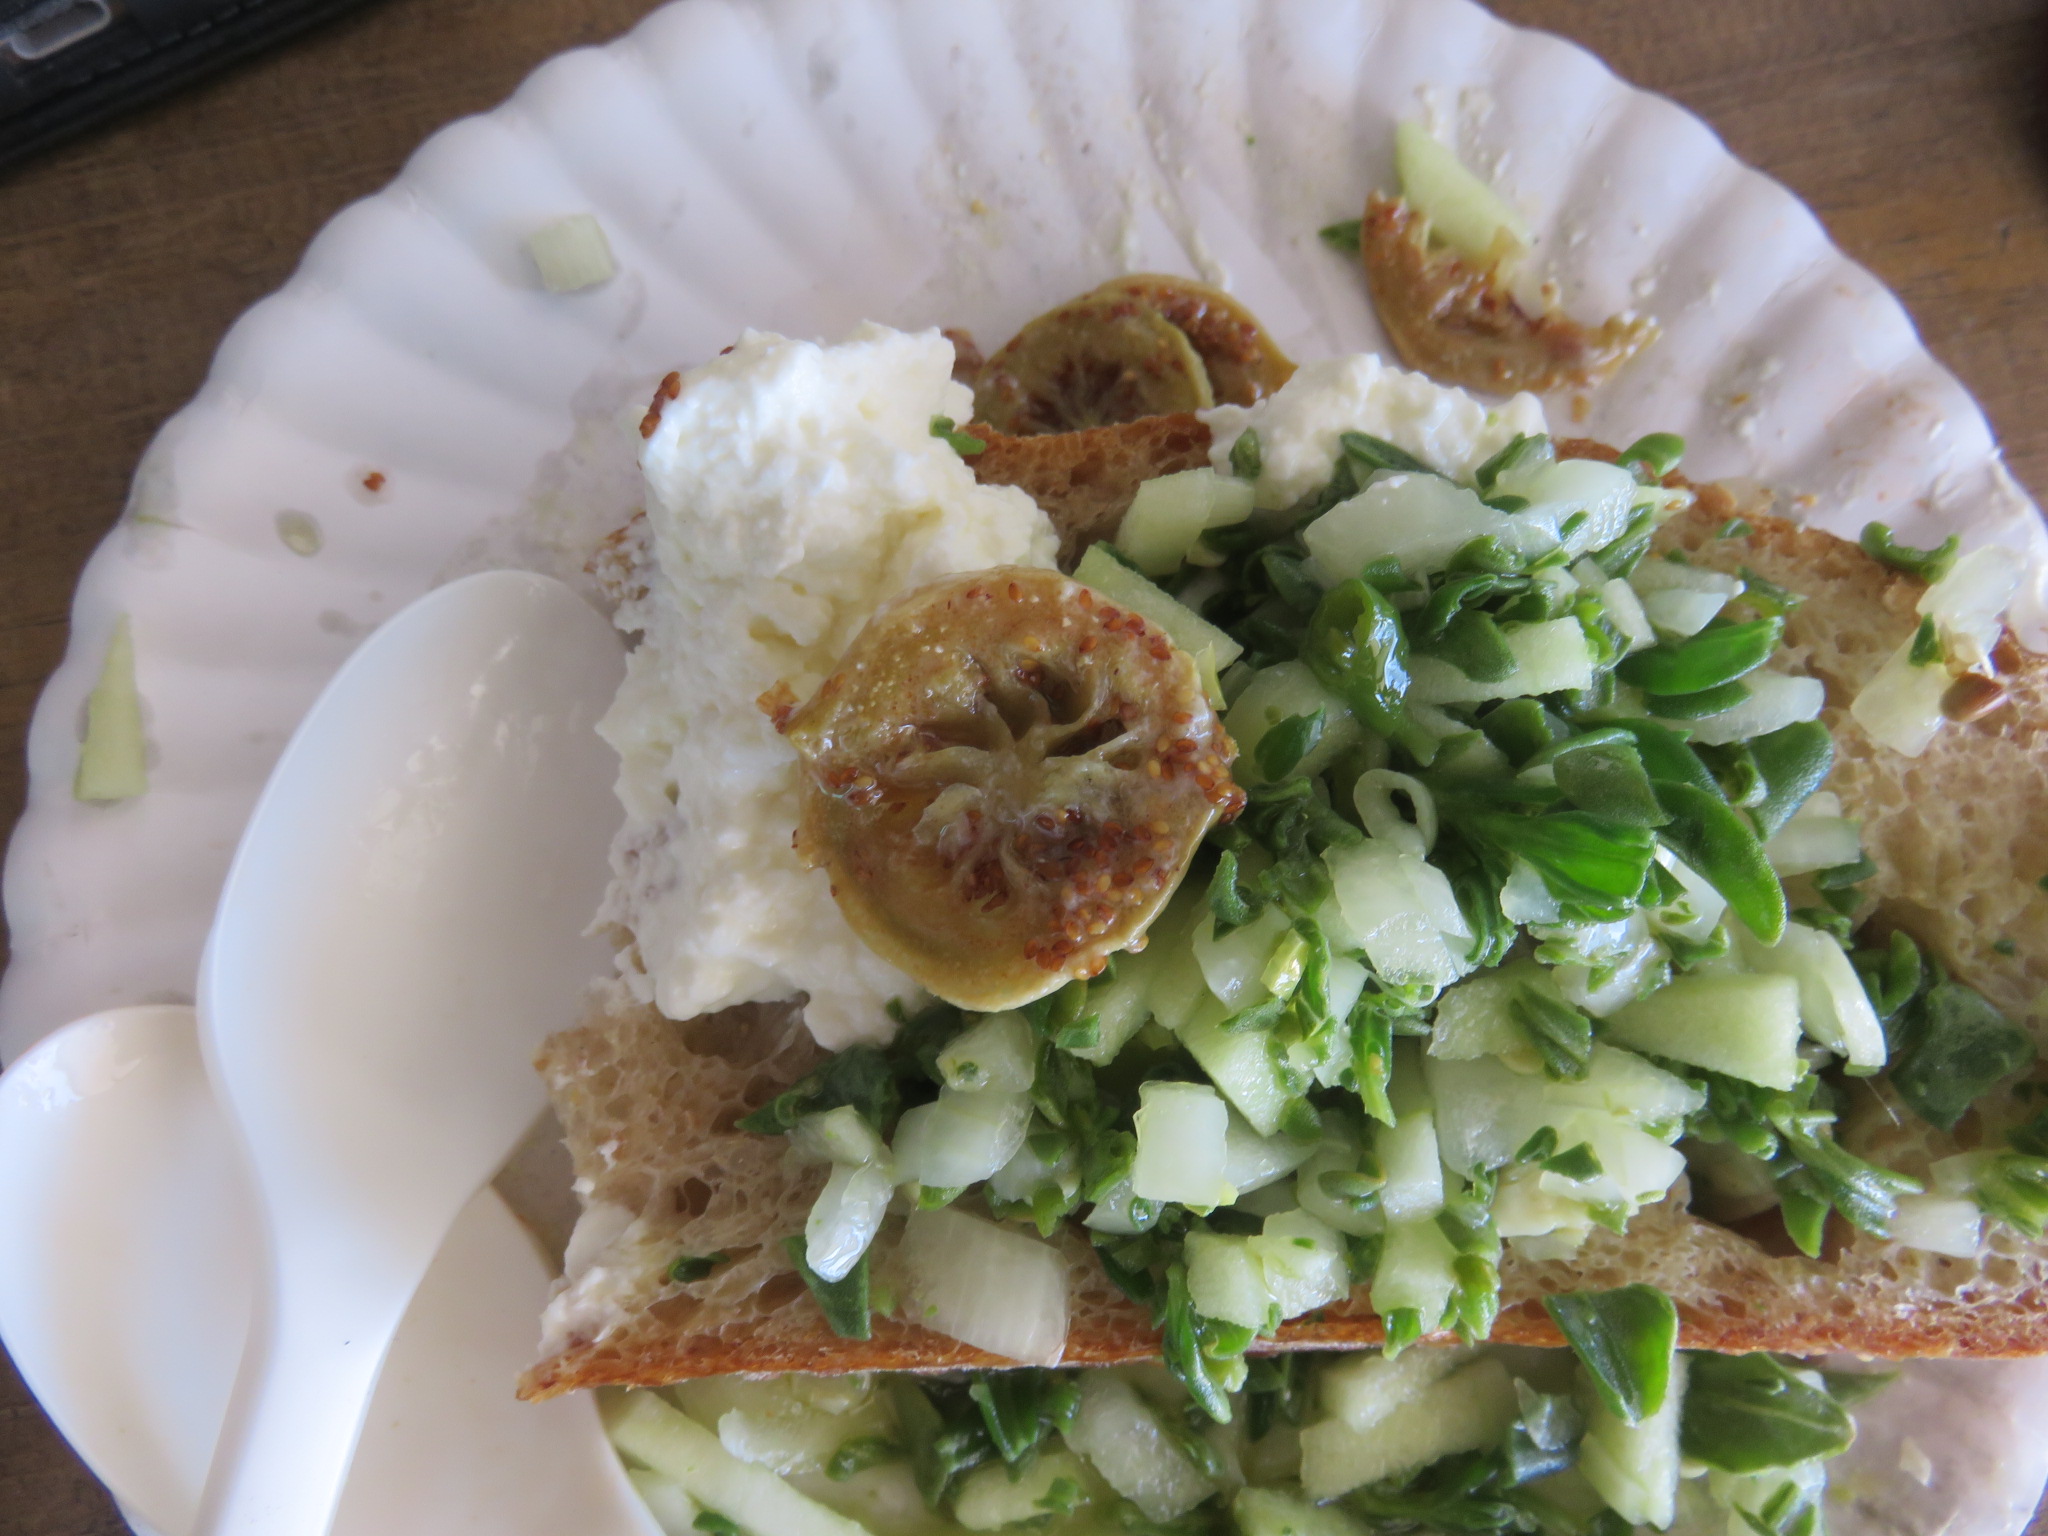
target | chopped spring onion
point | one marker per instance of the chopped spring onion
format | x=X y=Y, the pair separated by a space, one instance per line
x=986 y=1285
x=845 y=1218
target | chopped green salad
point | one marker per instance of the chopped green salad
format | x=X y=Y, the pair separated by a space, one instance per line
x=1538 y=898
x=1481 y=1441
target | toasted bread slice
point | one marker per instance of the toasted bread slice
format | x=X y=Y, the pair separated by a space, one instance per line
x=1960 y=837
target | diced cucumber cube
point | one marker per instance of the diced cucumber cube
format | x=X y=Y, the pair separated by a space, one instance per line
x=652 y=1433
x=1234 y=964
x=840 y=1135
x=1366 y=1388
x=1241 y=1064
x=991 y=1497
x=960 y=1138
x=1807 y=843
x=1775 y=701
x=1414 y=1169
x=1269 y=1512
x=1280 y=693
x=1402 y=912
x=1302 y=1261
x=1418 y=520
x=1679 y=613
x=1468 y=1410
x=1122 y=1005
x=1524 y=1207
x=1463 y=211
x=1226 y=1280
x=1551 y=656
x=1834 y=1009
x=1123 y=586
x=998 y=1054
x=1337 y=1154
x=1635 y=1466
x=1562 y=488
x=1475 y=1018
x=1745 y=1026
x=1415 y=1272
x=1635 y=1168
x=1181 y=1145
x=1170 y=512
x=1252 y=1161
x=1117 y=1430
x=1946 y=1224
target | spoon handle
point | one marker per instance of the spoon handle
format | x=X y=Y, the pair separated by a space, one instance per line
x=317 y=1340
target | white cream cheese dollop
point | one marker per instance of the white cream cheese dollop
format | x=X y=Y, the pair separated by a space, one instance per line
x=1301 y=423
x=792 y=490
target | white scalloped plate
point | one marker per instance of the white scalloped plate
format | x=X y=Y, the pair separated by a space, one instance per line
x=801 y=165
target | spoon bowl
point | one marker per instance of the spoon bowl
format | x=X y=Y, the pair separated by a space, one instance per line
x=403 y=923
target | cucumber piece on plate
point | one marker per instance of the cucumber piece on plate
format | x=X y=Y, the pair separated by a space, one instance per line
x=1234 y=966
x=996 y=1055
x=1745 y=1026
x=113 y=758
x=1463 y=211
x=1419 y=521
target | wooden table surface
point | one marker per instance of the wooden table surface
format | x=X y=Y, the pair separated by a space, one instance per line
x=1915 y=128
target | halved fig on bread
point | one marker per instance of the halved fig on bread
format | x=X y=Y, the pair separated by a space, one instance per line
x=1141 y=345
x=1243 y=362
x=1006 y=778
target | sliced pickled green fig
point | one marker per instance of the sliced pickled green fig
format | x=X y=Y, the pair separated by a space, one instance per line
x=1243 y=362
x=1005 y=780
x=1456 y=320
x=1095 y=361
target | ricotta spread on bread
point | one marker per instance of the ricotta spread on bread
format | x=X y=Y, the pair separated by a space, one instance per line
x=792 y=490
x=1301 y=425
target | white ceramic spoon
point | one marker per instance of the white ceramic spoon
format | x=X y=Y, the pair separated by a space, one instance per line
x=127 y=1258
x=401 y=926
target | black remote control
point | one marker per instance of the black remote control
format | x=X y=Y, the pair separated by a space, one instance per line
x=66 y=65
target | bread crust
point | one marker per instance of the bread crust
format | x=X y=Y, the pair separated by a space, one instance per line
x=1960 y=838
